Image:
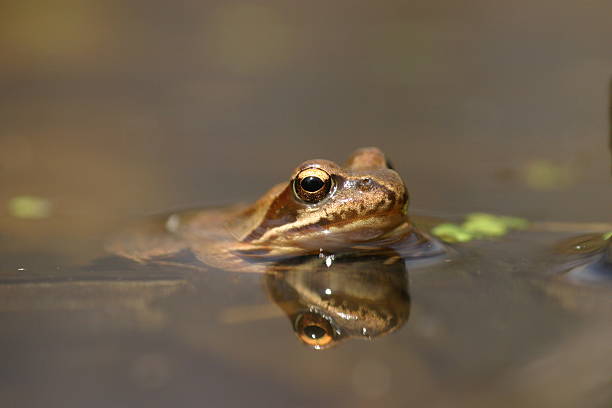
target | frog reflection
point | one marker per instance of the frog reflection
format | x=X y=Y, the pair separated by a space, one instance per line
x=589 y=259
x=329 y=299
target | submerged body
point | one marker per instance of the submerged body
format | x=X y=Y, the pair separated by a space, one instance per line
x=324 y=208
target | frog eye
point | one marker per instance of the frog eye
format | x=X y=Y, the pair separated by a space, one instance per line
x=312 y=185
x=314 y=330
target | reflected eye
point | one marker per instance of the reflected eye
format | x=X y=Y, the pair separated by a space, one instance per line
x=314 y=330
x=312 y=185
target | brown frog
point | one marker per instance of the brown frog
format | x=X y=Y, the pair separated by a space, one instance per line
x=324 y=208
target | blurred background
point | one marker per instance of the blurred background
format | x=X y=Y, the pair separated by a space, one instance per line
x=121 y=108
x=111 y=110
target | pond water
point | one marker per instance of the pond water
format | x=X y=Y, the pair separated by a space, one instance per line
x=115 y=111
x=493 y=324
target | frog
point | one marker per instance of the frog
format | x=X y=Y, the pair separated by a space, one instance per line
x=324 y=208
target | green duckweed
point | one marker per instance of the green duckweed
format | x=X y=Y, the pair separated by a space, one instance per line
x=478 y=226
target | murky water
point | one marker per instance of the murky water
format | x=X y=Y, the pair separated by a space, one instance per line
x=490 y=325
x=114 y=111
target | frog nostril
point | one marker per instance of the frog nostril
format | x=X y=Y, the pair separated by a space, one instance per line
x=365 y=183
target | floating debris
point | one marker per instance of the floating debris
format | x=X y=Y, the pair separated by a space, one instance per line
x=478 y=226
x=451 y=233
x=483 y=225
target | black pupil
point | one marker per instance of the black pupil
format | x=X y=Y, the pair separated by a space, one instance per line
x=314 y=332
x=312 y=184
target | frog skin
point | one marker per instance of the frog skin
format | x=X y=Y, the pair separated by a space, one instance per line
x=362 y=206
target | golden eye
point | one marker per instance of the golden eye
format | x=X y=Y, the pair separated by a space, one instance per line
x=312 y=185
x=314 y=330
